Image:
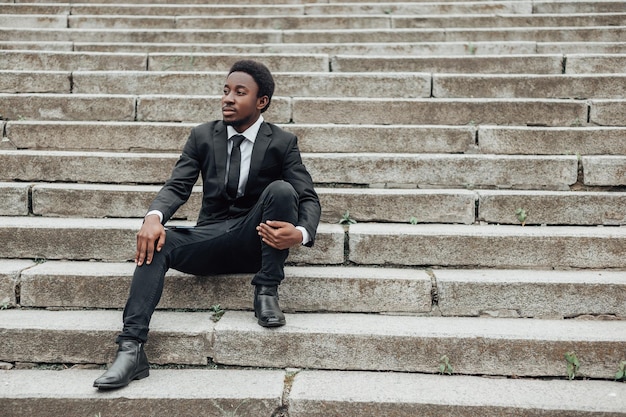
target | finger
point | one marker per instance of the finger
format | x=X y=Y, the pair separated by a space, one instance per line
x=161 y=241
x=141 y=251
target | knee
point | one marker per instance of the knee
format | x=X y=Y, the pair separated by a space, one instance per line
x=280 y=189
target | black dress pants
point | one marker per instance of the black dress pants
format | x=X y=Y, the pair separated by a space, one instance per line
x=230 y=246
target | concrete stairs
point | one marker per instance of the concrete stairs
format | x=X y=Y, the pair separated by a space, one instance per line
x=479 y=146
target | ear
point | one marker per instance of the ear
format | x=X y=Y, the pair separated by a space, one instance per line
x=261 y=102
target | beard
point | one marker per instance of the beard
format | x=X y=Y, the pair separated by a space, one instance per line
x=238 y=122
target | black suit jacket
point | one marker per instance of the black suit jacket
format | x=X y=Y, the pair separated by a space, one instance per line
x=275 y=156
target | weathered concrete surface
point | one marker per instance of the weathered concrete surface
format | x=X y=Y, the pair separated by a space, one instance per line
x=72 y=61
x=340 y=289
x=537 y=172
x=523 y=293
x=34 y=82
x=189 y=8
x=115 y=240
x=516 y=64
x=14 y=201
x=293 y=84
x=608 y=112
x=522 y=140
x=604 y=170
x=476 y=20
x=10 y=270
x=480 y=346
x=542 y=112
x=365 y=48
x=89 y=336
x=395 y=205
x=184 y=393
x=297 y=62
x=590 y=47
x=534 y=172
x=147 y=35
x=595 y=64
x=164 y=136
x=407 y=395
x=556 y=208
x=95 y=167
x=91 y=135
x=529 y=86
x=67 y=107
x=199 y=109
x=32 y=20
x=488 y=246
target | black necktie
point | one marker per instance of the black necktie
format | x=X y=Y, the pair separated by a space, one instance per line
x=235 y=165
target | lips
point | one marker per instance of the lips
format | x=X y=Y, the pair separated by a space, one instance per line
x=228 y=110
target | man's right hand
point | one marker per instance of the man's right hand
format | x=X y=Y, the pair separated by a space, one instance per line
x=151 y=236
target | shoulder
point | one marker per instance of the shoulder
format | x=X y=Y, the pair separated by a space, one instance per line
x=208 y=129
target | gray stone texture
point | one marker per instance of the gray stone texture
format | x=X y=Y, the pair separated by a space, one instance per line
x=14 y=201
x=523 y=293
x=522 y=140
x=186 y=393
x=488 y=246
x=607 y=170
x=408 y=395
x=553 y=208
x=440 y=111
x=608 y=112
x=34 y=82
x=69 y=61
x=10 y=271
x=478 y=346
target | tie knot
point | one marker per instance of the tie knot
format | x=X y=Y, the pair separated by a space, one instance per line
x=237 y=139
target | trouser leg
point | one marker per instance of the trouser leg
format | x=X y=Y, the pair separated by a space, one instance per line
x=226 y=247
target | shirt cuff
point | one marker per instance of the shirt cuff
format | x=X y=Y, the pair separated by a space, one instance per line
x=157 y=212
x=305 y=235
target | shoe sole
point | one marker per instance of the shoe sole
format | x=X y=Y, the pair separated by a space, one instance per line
x=266 y=324
x=140 y=375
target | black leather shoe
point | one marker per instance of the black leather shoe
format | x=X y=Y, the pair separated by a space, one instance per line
x=130 y=363
x=266 y=308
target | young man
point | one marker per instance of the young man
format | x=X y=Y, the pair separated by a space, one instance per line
x=258 y=201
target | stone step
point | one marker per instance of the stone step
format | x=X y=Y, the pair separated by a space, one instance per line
x=312 y=289
x=103 y=61
x=525 y=347
x=480 y=65
x=183 y=393
x=364 y=205
x=388 y=49
x=165 y=137
x=229 y=36
x=473 y=19
x=314 y=138
x=487 y=246
x=262 y=393
x=400 y=170
x=115 y=240
x=407 y=395
x=489 y=293
x=319 y=110
x=438 y=206
x=334 y=84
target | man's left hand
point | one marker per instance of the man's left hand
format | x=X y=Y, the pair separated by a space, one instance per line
x=279 y=235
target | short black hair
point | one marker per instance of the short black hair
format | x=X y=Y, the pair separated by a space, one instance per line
x=262 y=76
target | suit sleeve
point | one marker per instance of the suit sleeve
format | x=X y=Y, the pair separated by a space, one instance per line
x=179 y=186
x=295 y=173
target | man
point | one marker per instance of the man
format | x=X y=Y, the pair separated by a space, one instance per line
x=250 y=216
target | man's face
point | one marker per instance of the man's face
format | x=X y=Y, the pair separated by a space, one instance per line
x=240 y=105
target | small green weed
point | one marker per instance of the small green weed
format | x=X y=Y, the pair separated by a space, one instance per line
x=217 y=311
x=573 y=365
x=346 y=220
x=444 y=365
x=521 y=215
x=413 y=220
x=620 y=375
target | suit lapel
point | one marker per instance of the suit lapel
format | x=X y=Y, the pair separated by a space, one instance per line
x=263 y=139
x=221 y=151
